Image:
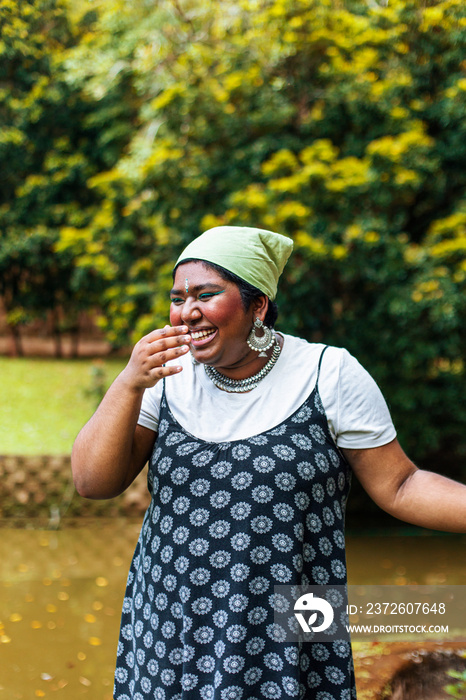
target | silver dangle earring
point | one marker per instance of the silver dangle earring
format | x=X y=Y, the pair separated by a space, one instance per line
x=260 y=343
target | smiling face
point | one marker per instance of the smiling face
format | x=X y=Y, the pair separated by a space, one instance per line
x=213 y=310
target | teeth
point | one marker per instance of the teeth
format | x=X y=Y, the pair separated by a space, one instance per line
x=197 y=335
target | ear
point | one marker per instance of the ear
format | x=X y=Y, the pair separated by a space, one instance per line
x=259 y=307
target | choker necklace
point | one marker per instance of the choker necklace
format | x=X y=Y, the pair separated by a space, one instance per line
x=241 y=385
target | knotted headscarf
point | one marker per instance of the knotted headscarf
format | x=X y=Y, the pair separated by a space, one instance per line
x=256 y=255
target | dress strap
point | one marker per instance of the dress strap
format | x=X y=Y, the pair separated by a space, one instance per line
x=163 y=398
x=319 y=365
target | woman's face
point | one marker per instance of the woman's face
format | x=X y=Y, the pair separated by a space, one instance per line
x=214 y=313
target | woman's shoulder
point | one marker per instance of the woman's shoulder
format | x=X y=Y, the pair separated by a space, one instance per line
x=305 y=349
x=302 y=359
x=356 y=411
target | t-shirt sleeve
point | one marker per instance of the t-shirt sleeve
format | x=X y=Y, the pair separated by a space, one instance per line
x=150 y=407
x=362 y=417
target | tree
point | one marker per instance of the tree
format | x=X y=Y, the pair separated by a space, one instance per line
x=50 y=145
x=339 y=125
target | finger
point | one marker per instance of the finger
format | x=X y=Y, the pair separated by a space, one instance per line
x=163 y=355
x=165 y=332
x=166 y=371
x=166 y=344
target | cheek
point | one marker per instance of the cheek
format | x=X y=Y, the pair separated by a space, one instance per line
x=228 y=316
x=175 y=315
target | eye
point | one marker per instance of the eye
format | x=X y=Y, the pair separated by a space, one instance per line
x=205 y=296
x=176 y=300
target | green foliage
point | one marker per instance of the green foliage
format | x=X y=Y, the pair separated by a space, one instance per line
x=458 y=689
x=50 y=146
x=341 y=125
x=126 y=243
x=98 y=383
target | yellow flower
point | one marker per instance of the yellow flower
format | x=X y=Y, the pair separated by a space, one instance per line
x=167 y=96
x=233 y=81
x=296 y=22
x=292 y=210
x=372 y=237
x=253 y=196
x=280 y=161
x=451 y=92
x=346 y=173
x=290 y=184
x=402 y=47
x=432 y=16
x=406 y=177
x=210 y=221
x=315 y=246
x=352 y=232
x=429 y=286
x=399 y=113
x=413 y=254
x=394 y=147
x=339 y=251
x=127 y=307
x=317 y=111
x=321 y=150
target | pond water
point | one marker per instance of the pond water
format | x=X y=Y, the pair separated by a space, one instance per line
x=61 y=594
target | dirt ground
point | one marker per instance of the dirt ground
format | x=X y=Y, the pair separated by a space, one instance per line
x=376 y=663
x=40 y=346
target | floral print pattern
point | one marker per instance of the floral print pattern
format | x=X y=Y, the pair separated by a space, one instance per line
x=226 y=524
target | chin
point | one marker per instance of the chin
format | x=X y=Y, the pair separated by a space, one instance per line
x=202 y=357
x=212 y=360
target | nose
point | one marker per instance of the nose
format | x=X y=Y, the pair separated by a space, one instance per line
x=190 y=312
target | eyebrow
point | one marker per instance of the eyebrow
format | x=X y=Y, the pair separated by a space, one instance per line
x=196 y=289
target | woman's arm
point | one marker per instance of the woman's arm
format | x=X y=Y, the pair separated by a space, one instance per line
x=406 y=492
x=112 y=449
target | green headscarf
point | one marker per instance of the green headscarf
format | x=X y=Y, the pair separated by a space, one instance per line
x=256 y=255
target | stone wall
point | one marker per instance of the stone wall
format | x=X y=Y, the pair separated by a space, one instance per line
x=41 y=489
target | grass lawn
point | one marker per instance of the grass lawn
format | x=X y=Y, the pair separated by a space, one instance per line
x=45 y=402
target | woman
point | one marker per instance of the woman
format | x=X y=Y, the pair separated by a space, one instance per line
x=251 y=436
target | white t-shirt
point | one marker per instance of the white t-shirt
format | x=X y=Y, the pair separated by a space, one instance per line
x=356 y=411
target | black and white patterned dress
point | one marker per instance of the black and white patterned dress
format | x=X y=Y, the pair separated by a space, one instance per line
x=228 y=522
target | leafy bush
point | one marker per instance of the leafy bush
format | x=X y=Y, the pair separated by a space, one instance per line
x=341 y=126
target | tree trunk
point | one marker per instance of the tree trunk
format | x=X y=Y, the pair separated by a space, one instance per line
x=18 y=350
x=74 y=332
x=57 y=334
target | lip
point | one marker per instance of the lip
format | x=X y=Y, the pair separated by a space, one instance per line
x=201 y=342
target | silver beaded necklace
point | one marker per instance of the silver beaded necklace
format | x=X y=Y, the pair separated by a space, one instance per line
x=242 y=385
